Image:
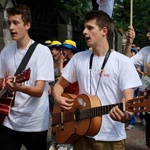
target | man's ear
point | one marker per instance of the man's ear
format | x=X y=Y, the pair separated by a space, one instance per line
x=28 y=25
x=105 y=30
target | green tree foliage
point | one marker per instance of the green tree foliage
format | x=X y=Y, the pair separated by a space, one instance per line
x=76 y=8
x=141 y=16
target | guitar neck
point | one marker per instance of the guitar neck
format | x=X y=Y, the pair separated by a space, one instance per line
x=96 y=111
x=139 y=104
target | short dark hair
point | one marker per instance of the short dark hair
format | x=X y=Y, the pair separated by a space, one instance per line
x=20 y=10
x=102 y=19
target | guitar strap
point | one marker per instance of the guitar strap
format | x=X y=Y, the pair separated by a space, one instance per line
x=103 y=65
x=26 y=58
x=104 y=62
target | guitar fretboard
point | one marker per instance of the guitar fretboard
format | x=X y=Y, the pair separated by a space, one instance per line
x=96 y=111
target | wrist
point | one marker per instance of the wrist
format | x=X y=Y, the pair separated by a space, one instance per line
x=129 y=41
x=20 y=87
x=60 y=61
x=127 y=117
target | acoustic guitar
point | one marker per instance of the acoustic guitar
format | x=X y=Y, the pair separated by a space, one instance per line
x=85 y=117
x=6 y=98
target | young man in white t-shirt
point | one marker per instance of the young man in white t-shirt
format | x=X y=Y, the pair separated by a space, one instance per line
x=110 y=84
x=27 y=122
x=142 y=58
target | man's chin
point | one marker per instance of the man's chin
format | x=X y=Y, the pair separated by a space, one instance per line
x=89 y=45
x=13 y=38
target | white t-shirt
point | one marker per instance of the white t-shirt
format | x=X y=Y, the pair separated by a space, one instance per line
x=29 y=114
x=119 y=74
x=142 y=58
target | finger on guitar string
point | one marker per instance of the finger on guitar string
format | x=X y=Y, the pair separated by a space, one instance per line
x=9 y=84
x=8 y=87
x=65 y=107
x=116 y=114
x=112 y=114
x=65 y=103
x=10 y=79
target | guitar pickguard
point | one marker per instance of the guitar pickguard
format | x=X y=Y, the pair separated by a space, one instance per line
x=81 y=102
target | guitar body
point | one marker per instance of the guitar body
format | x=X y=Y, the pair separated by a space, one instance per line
x=85 y=117
x=5 y=105
x=7 y=98
x=72 y=130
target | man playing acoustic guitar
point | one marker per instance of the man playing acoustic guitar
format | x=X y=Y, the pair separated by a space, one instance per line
x=27 y=122
x=103 y=73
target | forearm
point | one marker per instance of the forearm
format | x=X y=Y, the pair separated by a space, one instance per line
x=64 y=102
x=57 y=91
x=128 y=95
x=60 y=67
x=128 y=47
x=35 y=91
x=32 y=91
x=130 y=35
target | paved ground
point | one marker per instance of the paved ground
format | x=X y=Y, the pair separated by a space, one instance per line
x=135 y=137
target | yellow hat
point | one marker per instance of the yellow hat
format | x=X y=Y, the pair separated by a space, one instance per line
x=55 y=44
x=47 y=43
x=69 y=44
x=90 y=48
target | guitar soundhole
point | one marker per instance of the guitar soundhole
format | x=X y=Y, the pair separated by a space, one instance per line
x=77 y=115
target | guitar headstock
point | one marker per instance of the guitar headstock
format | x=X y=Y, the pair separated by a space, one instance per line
x=140 y=104
x=23 y=76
